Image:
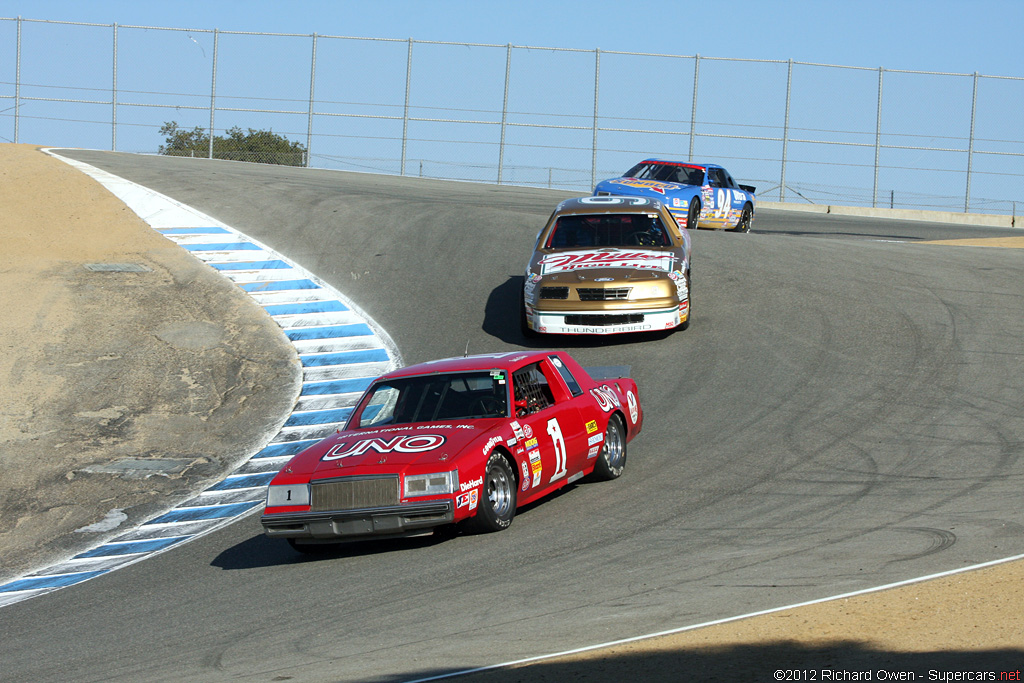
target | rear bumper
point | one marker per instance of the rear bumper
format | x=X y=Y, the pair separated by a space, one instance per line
x=389 y=521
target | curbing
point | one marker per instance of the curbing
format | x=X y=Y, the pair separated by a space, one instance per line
x=341 y=350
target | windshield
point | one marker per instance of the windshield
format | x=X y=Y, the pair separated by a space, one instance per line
x=609 y=230
x=667 y=173
x=429 y=398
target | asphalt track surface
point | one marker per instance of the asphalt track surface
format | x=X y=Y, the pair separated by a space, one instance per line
x=844 y=412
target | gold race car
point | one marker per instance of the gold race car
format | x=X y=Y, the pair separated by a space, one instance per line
x=608 y=265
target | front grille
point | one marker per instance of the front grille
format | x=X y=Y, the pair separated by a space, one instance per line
x=354 y=493
x=554 y=292
x=602 y=294
x=602 y=320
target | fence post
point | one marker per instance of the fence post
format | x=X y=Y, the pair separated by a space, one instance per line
x=597 y=83
x=785 y=133
x=405 y=114
x=504 y=113
x=693 y=111
x=113 y=99
x=878 y=139
x=970 y=145
x=17 y=85
x=312 y=96
x=213 y=88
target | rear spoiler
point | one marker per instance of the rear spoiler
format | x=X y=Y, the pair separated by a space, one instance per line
x=601 y=372
x=749 y=188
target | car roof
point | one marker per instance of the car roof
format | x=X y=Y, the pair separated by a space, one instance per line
x=579 y=205
x=507 y=361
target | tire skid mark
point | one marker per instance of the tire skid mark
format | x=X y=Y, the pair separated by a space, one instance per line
x=340 y=348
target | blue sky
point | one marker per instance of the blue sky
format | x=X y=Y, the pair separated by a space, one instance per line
x=936 y=35
x=925 y=123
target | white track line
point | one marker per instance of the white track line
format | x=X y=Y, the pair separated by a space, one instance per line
x=716 y=622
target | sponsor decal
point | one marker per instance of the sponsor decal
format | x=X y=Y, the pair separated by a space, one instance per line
x=526 y=475
x=536 y=467
x=490 y=443
x=679 y=277
x=581 y=260
x=596 y=438
x=608 y=329
x=653 y=185
x=606 y=398
x=517 y=430
x=391 y=430
x=419 y=443
x=591 y=426
x=634 y=409
x=531 y=444
x=528 y=431
x=470 y=498
x=471 y=484
x=594 y=450
x=604 y=279
x=632 y=201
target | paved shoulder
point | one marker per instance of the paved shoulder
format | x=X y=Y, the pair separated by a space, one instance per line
x=133 y=374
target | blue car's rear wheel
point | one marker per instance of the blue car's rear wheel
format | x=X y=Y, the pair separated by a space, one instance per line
x=745 y=219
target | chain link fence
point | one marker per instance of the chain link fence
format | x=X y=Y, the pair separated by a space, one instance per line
x=519 y=115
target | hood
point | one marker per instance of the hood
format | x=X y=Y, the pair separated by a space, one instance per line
x=393 y=448
x=640 y=187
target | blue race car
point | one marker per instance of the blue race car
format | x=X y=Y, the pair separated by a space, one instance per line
x=697 y=195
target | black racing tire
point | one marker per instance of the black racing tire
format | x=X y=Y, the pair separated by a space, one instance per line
x=497 y=498
x=689 y=304
x=746 y=218
x=693 y=215
x=612 y=458
x=523 y=327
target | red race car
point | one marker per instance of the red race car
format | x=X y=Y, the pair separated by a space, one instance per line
x=456 y=440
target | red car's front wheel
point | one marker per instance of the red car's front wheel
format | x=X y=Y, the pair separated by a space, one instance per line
x=498 y=497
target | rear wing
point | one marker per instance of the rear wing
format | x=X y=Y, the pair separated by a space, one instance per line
x=601 y=372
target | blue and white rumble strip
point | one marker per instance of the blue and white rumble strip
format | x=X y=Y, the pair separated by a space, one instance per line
x=341 y=350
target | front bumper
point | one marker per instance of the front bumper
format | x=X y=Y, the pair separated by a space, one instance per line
x=351 y=524
x=605 y=322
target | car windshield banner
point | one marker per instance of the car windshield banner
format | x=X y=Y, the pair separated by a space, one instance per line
x=580 y=260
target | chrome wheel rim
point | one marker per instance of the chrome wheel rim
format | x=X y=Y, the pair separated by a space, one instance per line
x=613 y=450
x=499 y=493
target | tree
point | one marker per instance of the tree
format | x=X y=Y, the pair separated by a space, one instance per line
x=259 y=146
